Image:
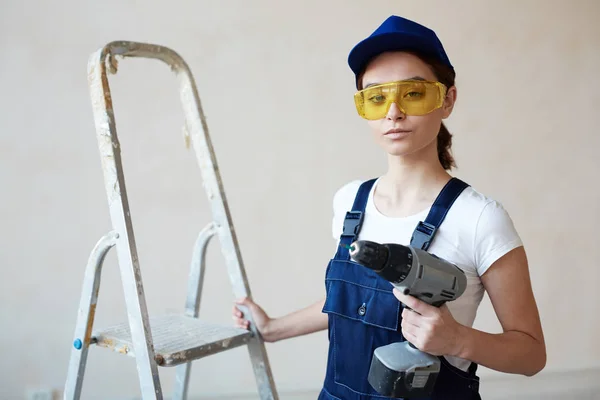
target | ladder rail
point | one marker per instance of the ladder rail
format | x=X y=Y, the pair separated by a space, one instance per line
x=213 y=184
x=110 y=152
x=85 y=315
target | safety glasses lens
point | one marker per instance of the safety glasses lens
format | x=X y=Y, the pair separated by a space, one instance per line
x=411 y=97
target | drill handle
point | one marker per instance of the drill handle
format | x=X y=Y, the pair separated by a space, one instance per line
x=409 y=309
x=435 y=304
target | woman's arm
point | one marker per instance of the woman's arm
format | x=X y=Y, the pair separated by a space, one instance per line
x=520 y=349
x=302 y=322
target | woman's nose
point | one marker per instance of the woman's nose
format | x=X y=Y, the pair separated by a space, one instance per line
x=394 y=112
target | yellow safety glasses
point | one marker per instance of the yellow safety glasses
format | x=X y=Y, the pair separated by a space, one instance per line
x=413 y=97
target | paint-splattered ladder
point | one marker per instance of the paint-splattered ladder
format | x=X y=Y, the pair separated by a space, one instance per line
x=165 y=340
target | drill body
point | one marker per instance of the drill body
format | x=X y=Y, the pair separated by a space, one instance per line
x=400 y=369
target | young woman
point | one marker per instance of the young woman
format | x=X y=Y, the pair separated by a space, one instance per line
x=406 y=89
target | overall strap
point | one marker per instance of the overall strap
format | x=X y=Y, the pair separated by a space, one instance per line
x=354 y=219
x=425 y=231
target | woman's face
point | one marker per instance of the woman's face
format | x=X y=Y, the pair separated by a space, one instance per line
x=399 y=134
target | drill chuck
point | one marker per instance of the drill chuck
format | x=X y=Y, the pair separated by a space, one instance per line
x=392 y=262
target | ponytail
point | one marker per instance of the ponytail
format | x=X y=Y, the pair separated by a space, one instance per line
x=444 y=144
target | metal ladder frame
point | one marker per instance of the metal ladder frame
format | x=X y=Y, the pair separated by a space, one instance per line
x=122 y=237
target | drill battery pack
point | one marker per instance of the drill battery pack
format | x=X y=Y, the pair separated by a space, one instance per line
x=412 y=376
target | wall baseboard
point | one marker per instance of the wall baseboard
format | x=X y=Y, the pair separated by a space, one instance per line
x=572 y=385
x=552 y=385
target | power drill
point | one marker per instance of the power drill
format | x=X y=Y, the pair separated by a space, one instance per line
x=400 y=369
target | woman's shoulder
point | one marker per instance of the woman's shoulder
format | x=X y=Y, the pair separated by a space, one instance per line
x=475 y=200
x=475 y=205
x=344 y=195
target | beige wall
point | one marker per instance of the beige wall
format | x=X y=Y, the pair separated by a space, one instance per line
x=274 y=82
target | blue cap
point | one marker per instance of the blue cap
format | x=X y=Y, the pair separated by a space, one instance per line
x=397 y=34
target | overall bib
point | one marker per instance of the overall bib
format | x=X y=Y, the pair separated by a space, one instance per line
x=364 y=313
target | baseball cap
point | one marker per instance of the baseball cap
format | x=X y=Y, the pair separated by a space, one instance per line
x=397 y=33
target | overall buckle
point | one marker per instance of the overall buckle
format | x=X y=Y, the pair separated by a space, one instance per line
x=352 y=223
x=423 y=234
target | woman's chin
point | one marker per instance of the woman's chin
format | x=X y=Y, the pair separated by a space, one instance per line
x=397 y=148
x=406 y=146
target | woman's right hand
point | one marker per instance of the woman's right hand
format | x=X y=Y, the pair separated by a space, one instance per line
x=261 y=320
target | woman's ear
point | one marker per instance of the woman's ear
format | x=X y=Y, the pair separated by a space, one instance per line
x=449 y=101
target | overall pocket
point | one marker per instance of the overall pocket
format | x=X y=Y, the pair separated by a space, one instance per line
x=364 y=316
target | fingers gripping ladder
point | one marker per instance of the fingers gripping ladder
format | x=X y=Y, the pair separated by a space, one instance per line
x=171 y=340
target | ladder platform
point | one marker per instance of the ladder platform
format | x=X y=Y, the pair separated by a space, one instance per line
x=177 y=339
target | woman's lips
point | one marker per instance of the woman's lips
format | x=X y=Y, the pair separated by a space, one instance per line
x=397 y=133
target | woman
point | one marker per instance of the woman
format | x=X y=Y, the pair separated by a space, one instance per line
x=406 y=89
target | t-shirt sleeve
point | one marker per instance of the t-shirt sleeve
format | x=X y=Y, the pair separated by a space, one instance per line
x=495 y=235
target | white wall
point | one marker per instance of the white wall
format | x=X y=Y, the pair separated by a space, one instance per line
x=274 y=82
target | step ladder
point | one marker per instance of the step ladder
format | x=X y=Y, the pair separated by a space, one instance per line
x=169 y=340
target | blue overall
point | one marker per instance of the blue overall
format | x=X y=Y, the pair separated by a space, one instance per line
x=364 y=313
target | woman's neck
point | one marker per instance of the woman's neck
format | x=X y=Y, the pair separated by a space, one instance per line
x=409 y=185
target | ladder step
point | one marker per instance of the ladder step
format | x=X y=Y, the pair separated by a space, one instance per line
x=177 y=339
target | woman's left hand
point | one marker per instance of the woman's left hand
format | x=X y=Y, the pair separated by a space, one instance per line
x=431 y=329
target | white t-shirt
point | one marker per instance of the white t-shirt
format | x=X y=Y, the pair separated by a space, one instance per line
x=476 y=232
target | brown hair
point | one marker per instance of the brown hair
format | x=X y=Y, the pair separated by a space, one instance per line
x=447 y=76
